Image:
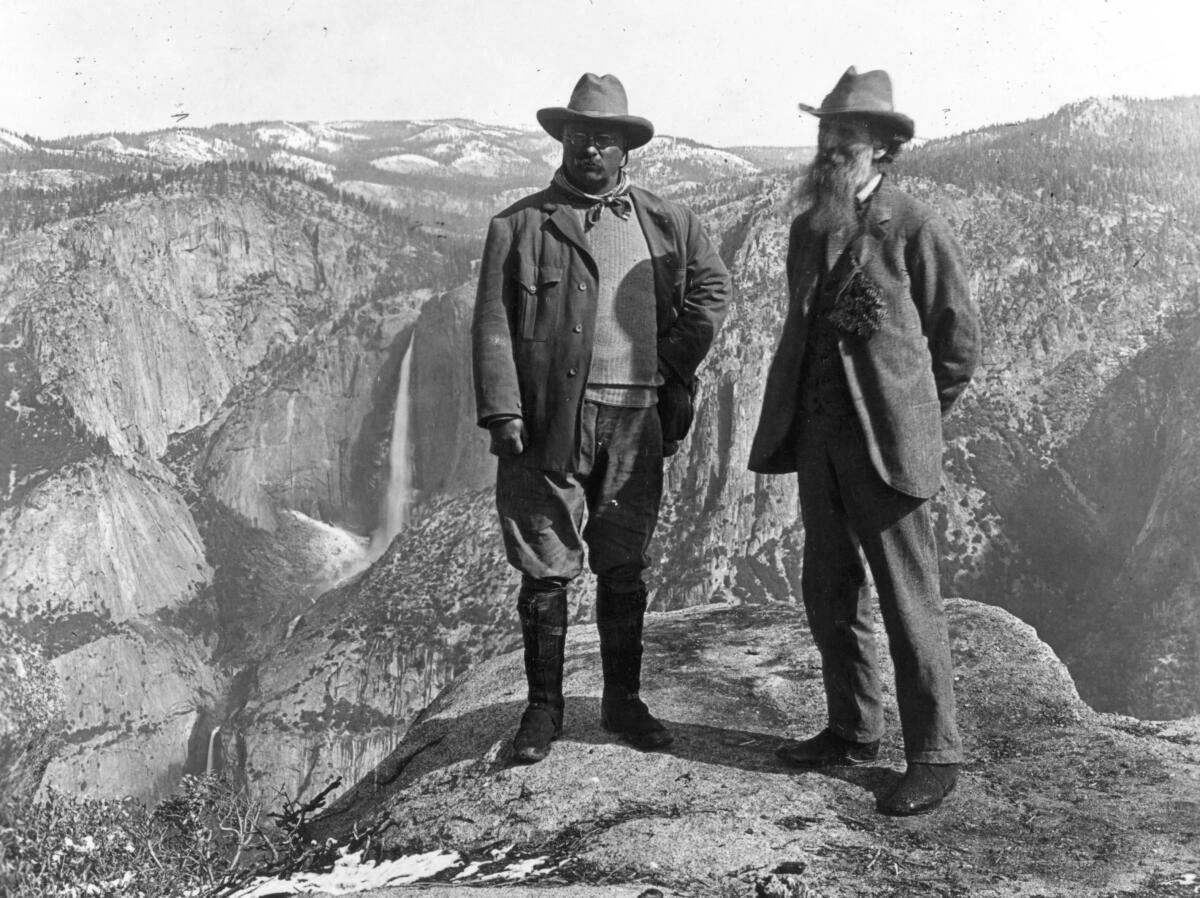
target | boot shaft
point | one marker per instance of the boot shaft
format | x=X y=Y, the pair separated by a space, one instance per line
x=619 y=619
x=543 y=615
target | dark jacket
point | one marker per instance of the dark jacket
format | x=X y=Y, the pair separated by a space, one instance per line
x=904 y=377
x=535 y=313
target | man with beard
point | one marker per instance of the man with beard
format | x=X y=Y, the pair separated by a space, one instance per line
x=597 y=300
x=880 y=339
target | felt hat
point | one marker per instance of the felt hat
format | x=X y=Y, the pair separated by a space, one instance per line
x=597 y=100
x=868 y=96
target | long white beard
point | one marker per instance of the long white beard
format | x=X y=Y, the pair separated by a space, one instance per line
x=830 y=186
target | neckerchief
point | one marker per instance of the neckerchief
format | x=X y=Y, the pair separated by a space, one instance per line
x=616 y=199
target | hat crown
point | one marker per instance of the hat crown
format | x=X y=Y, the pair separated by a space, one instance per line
x=868 y=92
x=868 y=95
x=598 y=99
x=599 y=95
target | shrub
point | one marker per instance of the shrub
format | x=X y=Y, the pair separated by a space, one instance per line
x=207 y=840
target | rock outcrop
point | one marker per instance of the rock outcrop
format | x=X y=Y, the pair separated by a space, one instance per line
x=1055 y=800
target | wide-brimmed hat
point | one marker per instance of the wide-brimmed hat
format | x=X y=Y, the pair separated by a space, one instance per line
x=869 y=96
x=597 y=99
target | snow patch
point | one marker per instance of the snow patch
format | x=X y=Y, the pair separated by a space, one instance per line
x=406 y=164
x=313 y=138
x=487 y=160
x=1097 y=115
x=185 y=147
x=112 y=145
x=48 y=178
x=332 y=132
x=674 y=150
x=313 y=168
x=108 y=144
x=10 y=143
x=441 y=132
x=350 y=875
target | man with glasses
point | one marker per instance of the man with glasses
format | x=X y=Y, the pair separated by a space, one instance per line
x=597 y=301
x=880 y=340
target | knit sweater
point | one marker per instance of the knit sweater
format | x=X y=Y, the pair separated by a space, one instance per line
x=624 y=348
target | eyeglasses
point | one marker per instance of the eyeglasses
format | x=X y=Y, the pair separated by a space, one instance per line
x=580 y=139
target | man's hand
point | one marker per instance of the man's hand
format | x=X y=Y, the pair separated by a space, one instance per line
x=508 y=437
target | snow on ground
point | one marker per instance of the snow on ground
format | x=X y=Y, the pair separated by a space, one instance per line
x=332 y=132
x=313 y=168
x=9 y=142
x=47 y=178
x=478 y=157
x=108 y=144
x=184 y=148
x=670 y=149
x=406 y=164
x=1097 y=114
x=307 y=138
x=350 y=874
x=111 y=144
x=441 y=132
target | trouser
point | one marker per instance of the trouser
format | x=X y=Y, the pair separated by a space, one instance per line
x=619 y=484
x=848 y=512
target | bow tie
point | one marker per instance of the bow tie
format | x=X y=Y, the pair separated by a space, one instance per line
x=621 y=207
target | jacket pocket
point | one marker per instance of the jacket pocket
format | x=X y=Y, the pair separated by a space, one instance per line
x=538 y=309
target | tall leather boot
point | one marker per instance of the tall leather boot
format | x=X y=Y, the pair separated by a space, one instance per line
x=619 y=618
x=543 y=616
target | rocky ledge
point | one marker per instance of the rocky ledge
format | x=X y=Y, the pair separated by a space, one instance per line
x=1056 y=800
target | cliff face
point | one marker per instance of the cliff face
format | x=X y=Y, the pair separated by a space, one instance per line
x=1054 y=799
x=184 y=366
x=449 y=449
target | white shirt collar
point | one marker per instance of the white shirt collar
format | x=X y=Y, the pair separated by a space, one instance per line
x=867 y=190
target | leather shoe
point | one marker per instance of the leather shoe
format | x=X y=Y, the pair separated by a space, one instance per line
x=921 y=789
x=539 y=727
x=628 y=717
x=827 y=749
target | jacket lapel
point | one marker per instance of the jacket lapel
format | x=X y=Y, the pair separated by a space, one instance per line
x=835 y=244
x=564 y=220
x=879 y=212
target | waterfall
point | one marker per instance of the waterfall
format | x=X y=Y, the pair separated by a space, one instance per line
x=212 y=740
x=398 y=499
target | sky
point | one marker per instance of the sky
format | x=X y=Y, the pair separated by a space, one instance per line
x=725 y=73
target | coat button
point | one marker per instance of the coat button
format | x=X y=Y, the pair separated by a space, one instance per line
x=572 y=372
x=582 y=285
x=578 y=328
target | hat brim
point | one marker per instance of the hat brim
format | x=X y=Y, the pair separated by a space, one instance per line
x=901 y=124
x=639 y=130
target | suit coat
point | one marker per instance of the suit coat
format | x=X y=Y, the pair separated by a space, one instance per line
x=904 y=377
x=535 y=313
